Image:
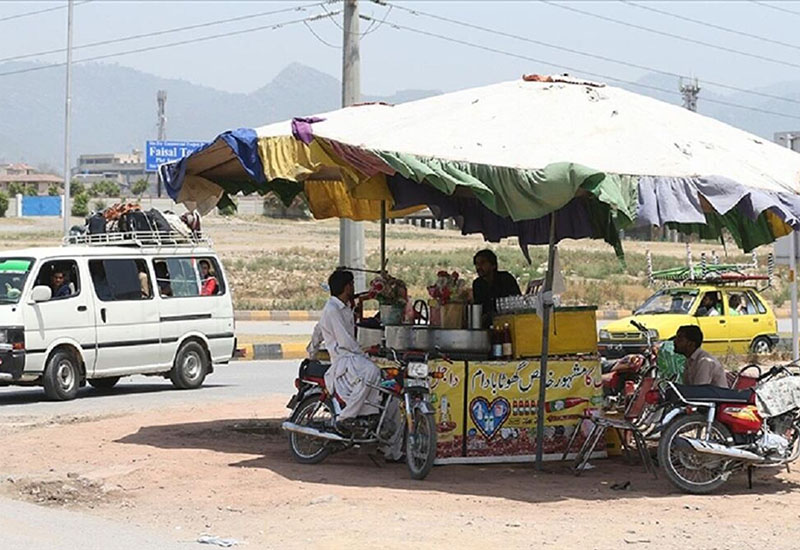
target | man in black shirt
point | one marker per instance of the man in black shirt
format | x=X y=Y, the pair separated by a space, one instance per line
x=491 y=284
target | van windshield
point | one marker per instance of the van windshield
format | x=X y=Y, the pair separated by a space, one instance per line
x=13 y=273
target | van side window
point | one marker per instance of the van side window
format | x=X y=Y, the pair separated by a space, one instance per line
x=120 y=279
x=61 y=276
x=188 y=277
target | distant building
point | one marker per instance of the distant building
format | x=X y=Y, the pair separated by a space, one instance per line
x=121 y=168
x=781 y=138
x=26 y=175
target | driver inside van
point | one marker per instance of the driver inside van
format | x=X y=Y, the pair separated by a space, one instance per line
x=59 y=284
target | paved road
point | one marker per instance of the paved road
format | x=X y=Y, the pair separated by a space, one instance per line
x=238 y=380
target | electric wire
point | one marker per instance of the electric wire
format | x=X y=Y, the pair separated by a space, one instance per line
x=274 y=26
x=710 y=25
x=163 y=32
x=784 y=10
x=37 y=12
x=576 y=70
x=671 y=35
x=583 y=53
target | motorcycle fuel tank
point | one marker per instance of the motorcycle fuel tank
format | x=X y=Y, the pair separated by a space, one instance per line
x=740 y=419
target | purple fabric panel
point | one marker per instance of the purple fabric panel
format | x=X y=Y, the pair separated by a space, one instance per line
x=722 y=193
x=663 y=200
x=301 y=128
x=363 y=161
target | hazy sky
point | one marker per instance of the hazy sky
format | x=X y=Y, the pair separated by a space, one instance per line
x=395 y=59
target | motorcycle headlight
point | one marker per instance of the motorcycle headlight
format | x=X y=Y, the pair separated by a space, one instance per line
x=605 y=335
x=417 y=370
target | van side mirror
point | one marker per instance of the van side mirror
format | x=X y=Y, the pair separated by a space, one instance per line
x=41 y=294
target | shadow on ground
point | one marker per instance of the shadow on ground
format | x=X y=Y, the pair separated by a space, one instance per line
x=521 y=482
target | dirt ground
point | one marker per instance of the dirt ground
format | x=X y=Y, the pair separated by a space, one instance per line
x=225 y=470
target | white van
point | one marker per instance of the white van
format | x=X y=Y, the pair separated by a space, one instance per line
x=107 y=306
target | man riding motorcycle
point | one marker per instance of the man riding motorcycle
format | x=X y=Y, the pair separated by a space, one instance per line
x=352 y=377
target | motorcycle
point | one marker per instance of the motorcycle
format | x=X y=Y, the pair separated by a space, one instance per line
x=315 y=431
x=713 y=432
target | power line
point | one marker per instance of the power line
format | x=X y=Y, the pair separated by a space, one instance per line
x=671 y=35
x=318 y=37
x=586 y=54
x=274 y=26
x=561 y=67
x=776 y=7
x=37 y=12
x=163 y=32
x=711 y=25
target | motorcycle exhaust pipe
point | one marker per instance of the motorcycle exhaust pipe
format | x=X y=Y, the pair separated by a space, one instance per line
x=711 y=448
x=313 y=432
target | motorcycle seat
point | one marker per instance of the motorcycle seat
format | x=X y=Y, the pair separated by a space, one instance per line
x=311 y=368
x=714 y=394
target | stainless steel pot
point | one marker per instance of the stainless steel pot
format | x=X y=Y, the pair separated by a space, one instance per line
x=419 y=337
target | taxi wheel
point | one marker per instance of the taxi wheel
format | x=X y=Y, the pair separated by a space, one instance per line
x=761 y=345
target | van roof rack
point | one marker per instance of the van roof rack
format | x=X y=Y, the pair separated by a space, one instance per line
x=140 y=239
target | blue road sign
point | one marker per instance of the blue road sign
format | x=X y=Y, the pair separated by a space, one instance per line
x=159 y=152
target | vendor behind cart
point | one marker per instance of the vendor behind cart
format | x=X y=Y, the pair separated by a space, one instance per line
x=491 y=284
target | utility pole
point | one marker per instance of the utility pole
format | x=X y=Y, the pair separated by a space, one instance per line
x=67 y=116
x=351 y=234
x=161 y=99
x=690 y=92
x=789 y=138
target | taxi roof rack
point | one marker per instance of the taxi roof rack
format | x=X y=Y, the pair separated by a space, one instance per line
x=714 y=272
x=141 y=239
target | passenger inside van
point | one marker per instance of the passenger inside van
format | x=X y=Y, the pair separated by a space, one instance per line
x=59 y=284
x=162 y=278
x=209 y=281
x=144 y=280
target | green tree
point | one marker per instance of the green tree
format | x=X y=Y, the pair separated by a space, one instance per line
x=105 y=188
x=31 y=190
x=76 y=188
x=99 y=205
x=16 y=188
x=54 y=190
x=140 y=187
x=80 y=204
x=3 y=204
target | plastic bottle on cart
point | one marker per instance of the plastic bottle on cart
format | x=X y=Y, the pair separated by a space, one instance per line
x=508 y=349
x=497 y=342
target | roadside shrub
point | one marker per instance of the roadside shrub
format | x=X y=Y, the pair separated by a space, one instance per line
x=54 y=190
x=3 y=204
x=99 y=205
x=80 y=205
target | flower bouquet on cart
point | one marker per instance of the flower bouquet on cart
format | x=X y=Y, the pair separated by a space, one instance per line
x=392 y=296
x=450 y=293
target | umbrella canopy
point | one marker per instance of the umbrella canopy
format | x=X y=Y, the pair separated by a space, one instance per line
x=501 y=158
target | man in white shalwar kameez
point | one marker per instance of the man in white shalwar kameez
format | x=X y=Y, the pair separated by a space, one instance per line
x=352 y=376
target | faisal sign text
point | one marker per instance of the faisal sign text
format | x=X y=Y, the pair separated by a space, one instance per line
x=159 y=152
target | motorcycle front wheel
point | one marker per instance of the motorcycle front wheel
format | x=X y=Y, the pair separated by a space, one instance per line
x=317 y=414
x=420 y=445
x=690 y=471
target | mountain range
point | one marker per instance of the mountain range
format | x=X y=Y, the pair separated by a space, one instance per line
x=114 y=107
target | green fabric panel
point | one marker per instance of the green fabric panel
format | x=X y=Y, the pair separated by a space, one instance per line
x=747 y=233
x=515 y=193
x=285 y=190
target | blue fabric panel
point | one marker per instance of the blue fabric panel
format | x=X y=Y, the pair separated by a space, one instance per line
x=243 y=143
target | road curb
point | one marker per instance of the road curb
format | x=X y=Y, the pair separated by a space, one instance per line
x=302 y=315
x=260 y=352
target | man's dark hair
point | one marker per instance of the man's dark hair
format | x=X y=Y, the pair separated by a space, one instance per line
x=487 y=255
x=338 y=280
x=692 y=333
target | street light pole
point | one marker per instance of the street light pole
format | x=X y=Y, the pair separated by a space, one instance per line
x=67 y=116
x=351 y=234
x=793 y=272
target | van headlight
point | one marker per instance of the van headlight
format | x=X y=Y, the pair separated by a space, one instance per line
x=417 y=370
x=3 y=336
x=605 y=335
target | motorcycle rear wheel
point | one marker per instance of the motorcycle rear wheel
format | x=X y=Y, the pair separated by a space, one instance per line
x=421 y=445
x=314 y=413
x=689 y=471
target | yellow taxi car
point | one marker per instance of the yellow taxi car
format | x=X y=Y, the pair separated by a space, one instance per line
x=734 y=319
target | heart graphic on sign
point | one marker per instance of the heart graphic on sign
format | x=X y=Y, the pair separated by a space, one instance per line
x=489 y=417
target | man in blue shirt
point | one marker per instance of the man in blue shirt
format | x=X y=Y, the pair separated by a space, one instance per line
x=59 y=285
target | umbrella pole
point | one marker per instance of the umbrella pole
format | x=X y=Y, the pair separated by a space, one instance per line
x=383 y=237
x=548 y=306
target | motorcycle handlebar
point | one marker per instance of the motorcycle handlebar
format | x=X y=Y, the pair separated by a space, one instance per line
x=639 y=326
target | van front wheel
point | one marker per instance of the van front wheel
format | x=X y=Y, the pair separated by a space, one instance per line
x=190 y=368
x=62 y=377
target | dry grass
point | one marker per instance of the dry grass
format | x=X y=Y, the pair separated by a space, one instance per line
x=281 y=264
